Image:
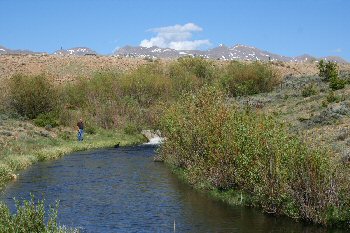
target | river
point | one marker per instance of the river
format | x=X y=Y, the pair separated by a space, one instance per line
x=123 y=190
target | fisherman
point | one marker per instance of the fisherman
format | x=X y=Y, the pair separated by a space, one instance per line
x=80 y=125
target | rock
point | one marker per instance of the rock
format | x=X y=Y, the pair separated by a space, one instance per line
x=153 y=137
x=44 y=134
x=14 y=176
x=149 y=134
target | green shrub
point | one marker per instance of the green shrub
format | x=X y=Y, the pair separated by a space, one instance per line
x=146 y=85
x=32 y=95
x=309 y=90
x=336 y=83
x=227 y=148
x=188 y=73
x=331 y=97
x=47 y=119
x=96 y=97
x=327 y=70
x=199 y=67
x=249 y=78
x=30 y=217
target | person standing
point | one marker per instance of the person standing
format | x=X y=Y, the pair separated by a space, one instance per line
x=80 y=125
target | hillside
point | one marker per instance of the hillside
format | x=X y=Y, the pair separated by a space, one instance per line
x=63 y=68
x=67 y=67
x=321 y=119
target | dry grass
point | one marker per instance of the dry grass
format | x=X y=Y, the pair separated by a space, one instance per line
x=67 y=68
x=64 y=68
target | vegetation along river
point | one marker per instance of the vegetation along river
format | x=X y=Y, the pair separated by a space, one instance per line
x=123 y=190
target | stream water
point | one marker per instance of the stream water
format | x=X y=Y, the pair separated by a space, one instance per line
x=123 y=190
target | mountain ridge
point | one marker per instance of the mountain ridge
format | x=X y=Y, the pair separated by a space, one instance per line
x=78 y=51
x=4 y=50
x=221 y=52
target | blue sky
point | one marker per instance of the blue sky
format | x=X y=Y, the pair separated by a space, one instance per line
x=291 y=28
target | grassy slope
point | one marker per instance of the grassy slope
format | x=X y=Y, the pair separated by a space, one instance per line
x=23 y=144
x=315 y=118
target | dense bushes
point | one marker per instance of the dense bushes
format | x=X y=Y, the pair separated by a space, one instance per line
x=146 y=85
x=112 y=100
x=249 y=78
x=137 y=98
x=30 y=217
x=189 y=74
x=226 y=148
x=32 y=95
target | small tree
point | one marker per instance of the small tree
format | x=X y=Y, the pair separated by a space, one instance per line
x=329 y=72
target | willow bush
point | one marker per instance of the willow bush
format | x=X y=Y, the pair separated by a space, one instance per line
x=227 y=148
x=146 y=85
x=30 y=217
x=249 y=78
x=116 y=100
x=30 y=96
x=188 y=73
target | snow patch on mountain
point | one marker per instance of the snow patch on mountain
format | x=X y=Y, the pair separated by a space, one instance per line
x=78 y=51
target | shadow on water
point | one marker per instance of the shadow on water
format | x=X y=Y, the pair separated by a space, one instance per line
x=123 y=190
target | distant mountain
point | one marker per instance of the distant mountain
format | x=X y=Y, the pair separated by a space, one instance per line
x=334 y=59
x=78 y=51
x=222 y=52
x=153 y=52
x=305 y=58
x=4 y=50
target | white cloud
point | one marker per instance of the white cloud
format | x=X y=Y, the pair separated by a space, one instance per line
x=176 y=37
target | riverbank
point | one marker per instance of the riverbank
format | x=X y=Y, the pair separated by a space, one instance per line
x=247 y=157
x=239 y=198
x=231 y=197
x=23 y=144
